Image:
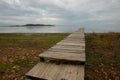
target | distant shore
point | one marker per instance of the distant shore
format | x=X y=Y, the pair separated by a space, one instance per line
x=32 y=25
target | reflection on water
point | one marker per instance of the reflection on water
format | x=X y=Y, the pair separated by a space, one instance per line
x=39 y=29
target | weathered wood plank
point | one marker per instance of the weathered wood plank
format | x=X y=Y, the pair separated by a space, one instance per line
x=37 y=68
x=59 y=73
x=64 y=56
x=52 y=71
x=69 y=47
x=48 y=72
x=81 y=73
x=75 y=38
x=66 y=51
x=76 y=35
x=71 y=44
x=73 y=41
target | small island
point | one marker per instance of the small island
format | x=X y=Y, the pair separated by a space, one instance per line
x=32 y=25
x=38 y=25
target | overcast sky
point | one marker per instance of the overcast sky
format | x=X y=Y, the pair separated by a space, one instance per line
x=87 y=13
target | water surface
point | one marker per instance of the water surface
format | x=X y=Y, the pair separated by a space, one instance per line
x=39 y=29
x=55 y=29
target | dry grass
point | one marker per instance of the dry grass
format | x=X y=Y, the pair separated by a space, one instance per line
x=19 y=52
x=103 y=56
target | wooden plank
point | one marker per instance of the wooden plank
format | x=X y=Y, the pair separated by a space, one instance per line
x=73 y=41
x=71 y=44
x=36 y=69
x=77 y=34
x=52 y=71
x=63 y=44
x=81 y=73
x=64 y=56
x=59 y=73
x=66 y=51
x=80 y=33
x=65 y=73
x=68 y=46
x=77 y=37
x=73 y=75
x=48 y=72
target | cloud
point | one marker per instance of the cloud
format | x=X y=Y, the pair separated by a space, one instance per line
x=90 y=13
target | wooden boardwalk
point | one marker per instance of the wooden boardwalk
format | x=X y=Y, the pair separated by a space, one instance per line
x=63 y=61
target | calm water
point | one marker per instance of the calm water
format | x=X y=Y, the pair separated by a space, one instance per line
x=39 y=29
x=56 y=29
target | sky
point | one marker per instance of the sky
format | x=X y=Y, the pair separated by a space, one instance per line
x=91 y=14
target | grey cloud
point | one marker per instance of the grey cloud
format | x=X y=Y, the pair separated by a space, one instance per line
x=89 y=13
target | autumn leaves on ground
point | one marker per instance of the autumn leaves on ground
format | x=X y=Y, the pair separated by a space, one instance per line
x=103 y=56
x=19 y=53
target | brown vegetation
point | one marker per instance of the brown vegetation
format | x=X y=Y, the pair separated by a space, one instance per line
x=19 y=52
x=103 y=56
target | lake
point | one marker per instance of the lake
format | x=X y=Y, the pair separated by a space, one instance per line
x=39 y=29
x=55 y=29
